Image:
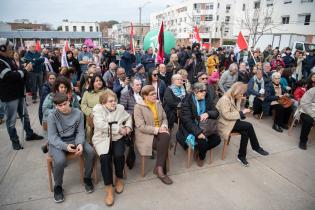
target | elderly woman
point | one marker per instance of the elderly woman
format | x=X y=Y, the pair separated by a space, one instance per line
x=198 y=107
x=111 y=124
x=272 y=95
x=151 y=130
x=89 y=100
x=174 y=94
x=230 y=121
x=158 y=84
x=256 y=92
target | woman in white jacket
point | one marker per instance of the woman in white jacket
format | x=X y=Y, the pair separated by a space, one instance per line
x=108 y=115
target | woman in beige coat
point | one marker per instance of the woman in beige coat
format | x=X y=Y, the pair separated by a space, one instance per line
x=111 y=124
x=151 y=130
x=89 y=100
x=230 y=121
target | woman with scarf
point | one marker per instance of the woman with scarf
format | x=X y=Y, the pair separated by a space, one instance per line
x=256 y=92
x=197 y=107
x=273 y=93
x=174 y=94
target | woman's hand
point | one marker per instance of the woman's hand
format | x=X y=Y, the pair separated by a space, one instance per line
x=123 y=131
x=201 y=136
x=204 y=116
x=163 y=130
x=246 y=111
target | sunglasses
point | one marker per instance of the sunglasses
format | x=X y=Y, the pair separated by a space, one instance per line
x=203 y=78
x=202 y=91
x=155 y=75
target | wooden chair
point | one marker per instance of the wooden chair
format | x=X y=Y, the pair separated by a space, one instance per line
x=142 y=166
x=227 y=142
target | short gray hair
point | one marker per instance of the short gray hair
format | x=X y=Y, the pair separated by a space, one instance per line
x=233 y=65
x=132 y=81
x=266 y=63
x=275 y=74
x=198 y=86
x=176 y=76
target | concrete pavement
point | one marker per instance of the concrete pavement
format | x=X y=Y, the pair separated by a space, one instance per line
x=283 y=180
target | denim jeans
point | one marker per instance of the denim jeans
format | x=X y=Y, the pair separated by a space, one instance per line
x=1 y=110
x=16 y=107
x=37 y=83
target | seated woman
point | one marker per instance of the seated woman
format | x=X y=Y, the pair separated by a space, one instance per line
x=185 y=80
x=197 y=107
x=89 y=100
x=111 y=124
x=272 y=95
x=230 y=121
x=158 y=84
x=307 y=116
x=173 y=96
x=256 y=92
x=151 y=130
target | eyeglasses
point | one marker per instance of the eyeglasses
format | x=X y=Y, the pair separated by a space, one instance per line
x=155 y=75
x=152 y=94
x=203 y=78
x=202 y=91
x=111 y=101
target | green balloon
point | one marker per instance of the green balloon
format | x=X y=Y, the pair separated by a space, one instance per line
x=151 y=40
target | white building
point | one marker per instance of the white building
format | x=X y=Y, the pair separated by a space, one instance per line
x=223 y=19
x=73 y=26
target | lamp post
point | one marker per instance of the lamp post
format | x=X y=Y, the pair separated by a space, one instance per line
x=140 y=24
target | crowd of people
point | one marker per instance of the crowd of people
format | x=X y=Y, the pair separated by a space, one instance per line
x=103 y=99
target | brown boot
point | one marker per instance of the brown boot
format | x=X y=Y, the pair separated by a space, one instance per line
x=119 y=186
x=109 y=195
x=199 y=162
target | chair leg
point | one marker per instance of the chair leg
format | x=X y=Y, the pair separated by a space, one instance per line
x=95 y=172
x=81 y=169
x=189 y=151
x=125 y=171
x=175 y=147
x=224 y=148
x=142 y=165
x=228 y=142
x=291 y=126
x=261 y=115
x=168 y=162
x=49 y=170
x=210 y=156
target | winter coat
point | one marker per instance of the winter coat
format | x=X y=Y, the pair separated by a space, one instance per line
x=101 y=119
x=36 y=61
x=173 y=68
x=144 y=126
x=270 y=95
x=128 y=100
x=189 y=116
x=126 y=63
x=229 y=113
x=212 y=63
x=46 y=89
x=308 y=103
x=288 y=60
x=193 y=69
x=148 y=61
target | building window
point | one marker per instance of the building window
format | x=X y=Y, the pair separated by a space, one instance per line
x=226 y=30
x=209 y=18
x=218 y=5
x=285 y=19
x=209 y=6
x=185 y=30
x=217 y=17
x=216 y=29
x=256 y=4
x=227 y=8
x=96 y=28
x=269 y=3
x=67 y=28
x=227 y=18
x=306 y=1
x=244 y=6
x=198 y=19
x=267 y=20
x=91 y=28
x=287 y=1
x=82 y=28
x=304 y=18
x=74 y=28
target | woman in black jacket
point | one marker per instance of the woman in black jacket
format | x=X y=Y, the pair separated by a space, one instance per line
x=173 y=96
x=197 y=107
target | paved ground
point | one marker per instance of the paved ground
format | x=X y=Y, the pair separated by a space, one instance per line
x=283 y=180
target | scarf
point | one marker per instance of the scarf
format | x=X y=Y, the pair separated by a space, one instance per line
x=261 y=82
x=153 y=108
x=179 y=92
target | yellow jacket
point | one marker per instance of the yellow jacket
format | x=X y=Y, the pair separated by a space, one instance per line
x=212 y=63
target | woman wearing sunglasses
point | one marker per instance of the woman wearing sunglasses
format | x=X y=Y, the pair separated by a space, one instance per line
x=159 y=85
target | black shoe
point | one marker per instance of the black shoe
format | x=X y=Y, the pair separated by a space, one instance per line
x=261 y=151
x=58 y=194
x=286 y=127
x=89 y=188
x=44 y=148
x=302 y=146
x=243 y=161
x=17 y=145
x=277 y=128
x=34 y=136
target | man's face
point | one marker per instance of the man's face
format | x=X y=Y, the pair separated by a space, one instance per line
x=203 y=79
x=233 y=70
x=84 y=48
x=32 y=48
x=267 y=68
x=150 y=51
x=121 y=74
x=242 y=66
x=162 y=69
x=64 y=107
x=136 y=86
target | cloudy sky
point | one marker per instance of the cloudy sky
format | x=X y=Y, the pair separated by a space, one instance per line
x=53 y=11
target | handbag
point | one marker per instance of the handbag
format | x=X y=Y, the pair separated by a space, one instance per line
x=285 y=101
x=209 y=126
x=131 y=156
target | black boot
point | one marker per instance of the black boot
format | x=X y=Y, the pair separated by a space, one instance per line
x=16 y=145
x=277 y=128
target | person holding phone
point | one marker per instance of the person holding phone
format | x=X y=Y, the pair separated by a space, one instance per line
x=232 y=120
x=66 y=135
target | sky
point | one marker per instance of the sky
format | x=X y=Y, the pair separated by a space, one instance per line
x=54 y=11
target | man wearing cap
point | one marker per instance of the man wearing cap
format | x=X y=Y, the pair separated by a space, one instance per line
x=288 y=59
x=141 y=74
x=12 y=85
x=84 y=59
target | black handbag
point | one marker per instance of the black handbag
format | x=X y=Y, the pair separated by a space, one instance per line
x=131 y=156
x=209 y=126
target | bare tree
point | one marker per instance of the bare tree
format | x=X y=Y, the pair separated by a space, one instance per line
x=258 y=21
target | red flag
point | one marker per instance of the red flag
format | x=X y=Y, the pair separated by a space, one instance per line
x=131 y=39
x=37 y=47
x=196 y=37
x=160 y=53
x=241 y=41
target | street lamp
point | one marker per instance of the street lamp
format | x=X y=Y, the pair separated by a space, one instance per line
x=140 y=14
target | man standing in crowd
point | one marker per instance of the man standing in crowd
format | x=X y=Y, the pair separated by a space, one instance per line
x=126 y=61
x=37 y=73
x=12 y=85
x=66 y=135
x=84 y=59
x=288 y=59
x=148 y=60
x=228 y=78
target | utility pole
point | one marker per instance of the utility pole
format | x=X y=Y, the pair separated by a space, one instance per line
x=140 y=24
